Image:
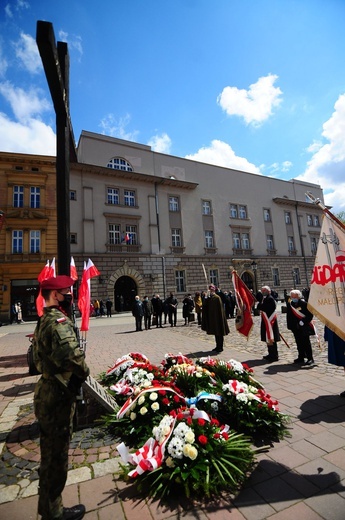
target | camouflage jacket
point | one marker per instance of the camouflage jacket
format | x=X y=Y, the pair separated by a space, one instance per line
x=56 y=347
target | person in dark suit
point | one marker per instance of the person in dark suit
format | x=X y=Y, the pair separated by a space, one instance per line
x=269 y=326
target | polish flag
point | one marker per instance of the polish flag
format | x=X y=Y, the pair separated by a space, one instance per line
x=73 y=270
x=245 y=301
x=48 y=271
x=84 y=299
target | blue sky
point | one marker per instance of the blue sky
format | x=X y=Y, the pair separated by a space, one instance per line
x=255 y=85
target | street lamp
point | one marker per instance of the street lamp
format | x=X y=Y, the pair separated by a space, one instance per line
x=254 y=267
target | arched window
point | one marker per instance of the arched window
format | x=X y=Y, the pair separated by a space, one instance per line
x=117 y=163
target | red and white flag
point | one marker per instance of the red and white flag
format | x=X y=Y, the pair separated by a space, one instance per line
x=73 y=270
x=327 y=287
x=245 y=301
x=84 y=298
x=47 y=272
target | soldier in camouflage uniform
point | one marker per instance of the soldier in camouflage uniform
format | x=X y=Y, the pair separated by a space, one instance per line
x=58 y=357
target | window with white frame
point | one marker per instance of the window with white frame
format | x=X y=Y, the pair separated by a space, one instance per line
x=176 y=237
x=206 y=207
x=180 y=280
x=113 y=196
x=35 y=197
x=17 y=241
x=267 y=215
x=313 y=243
x=35 y=241
x=291 y=243
x=296 y=276
x=174 y=204
x=236 y=240
x=214 y=277
x=275 y=276
x=131 y=235
x=269 y=242
x=129 y=198
x=114 y=234
x=209 y=238
x=242 y=212
x=233 y=211
x=287 y=217
x=309 y=220
x=117 y=163
x=316 y=221
x=18 y=196
x=245 y=241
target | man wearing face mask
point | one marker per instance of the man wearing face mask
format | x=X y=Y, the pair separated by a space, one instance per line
x=299 y=321
x=269 y=325
x=58 y=357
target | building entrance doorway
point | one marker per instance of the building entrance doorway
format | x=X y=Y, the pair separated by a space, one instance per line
x=125 y=291
x=248 y=280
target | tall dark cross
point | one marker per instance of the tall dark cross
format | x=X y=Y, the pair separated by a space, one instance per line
x=55 y=61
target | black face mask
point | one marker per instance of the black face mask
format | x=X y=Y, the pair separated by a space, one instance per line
x=66 y=302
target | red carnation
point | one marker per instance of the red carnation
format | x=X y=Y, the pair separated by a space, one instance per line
x=201 y=422
x=203 y=439
x=176 y=398
x=225 y=435
x=165 y=401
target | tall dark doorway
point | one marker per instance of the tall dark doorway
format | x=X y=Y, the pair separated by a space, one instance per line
x=125 y=292
x=248 y=280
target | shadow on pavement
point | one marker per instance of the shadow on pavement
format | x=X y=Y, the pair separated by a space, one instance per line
x=329 y=409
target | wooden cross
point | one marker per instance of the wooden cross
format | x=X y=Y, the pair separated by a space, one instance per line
x=55 y=61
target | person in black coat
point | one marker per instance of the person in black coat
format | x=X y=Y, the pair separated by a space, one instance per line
x=148 y=311
x=187 y=308
x=213 y=318
x=299 y=321
x=172 y=303
x=269 y=325
x=157 y=305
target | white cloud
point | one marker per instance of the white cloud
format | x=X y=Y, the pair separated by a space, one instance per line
x=33 y=137
x=8 y=11
x=117 y=128
x=3 y=63
x=256 y=104
x=26 y=50
x=160 y=143
x=74 y=42
x=24 y=104
x=221 y=154
x=327 y=165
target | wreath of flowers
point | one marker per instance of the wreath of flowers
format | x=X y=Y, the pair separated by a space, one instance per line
x=192 y=424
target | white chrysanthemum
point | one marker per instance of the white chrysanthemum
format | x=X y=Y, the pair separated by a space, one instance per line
x=236 y=366
x=243 y=398
x=146 y=384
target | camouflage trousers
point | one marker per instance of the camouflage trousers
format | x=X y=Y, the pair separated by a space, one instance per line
x=54 y=412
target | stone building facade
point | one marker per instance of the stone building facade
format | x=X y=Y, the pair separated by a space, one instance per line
x=154 y=223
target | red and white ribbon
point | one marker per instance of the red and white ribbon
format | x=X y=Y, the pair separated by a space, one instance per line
x=269 y=322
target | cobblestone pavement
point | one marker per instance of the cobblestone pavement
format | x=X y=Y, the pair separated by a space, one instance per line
x=303 y=476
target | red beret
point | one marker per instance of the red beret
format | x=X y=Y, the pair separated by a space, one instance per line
x=57 y=282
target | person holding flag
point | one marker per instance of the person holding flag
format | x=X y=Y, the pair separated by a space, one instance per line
x=269 y=326
x=299 y=321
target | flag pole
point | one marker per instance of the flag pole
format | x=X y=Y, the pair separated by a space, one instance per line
x=325 y=210
x=284 y=340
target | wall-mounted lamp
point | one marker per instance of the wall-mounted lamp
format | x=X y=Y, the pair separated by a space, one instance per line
x=254 y=265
